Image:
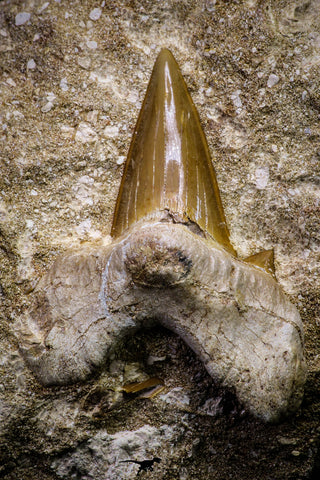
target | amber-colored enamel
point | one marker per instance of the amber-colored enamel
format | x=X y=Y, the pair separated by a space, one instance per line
x=264 y=259
x=168 y=165
x=137 y=387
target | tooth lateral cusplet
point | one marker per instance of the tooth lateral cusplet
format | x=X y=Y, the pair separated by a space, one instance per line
x=170 y=258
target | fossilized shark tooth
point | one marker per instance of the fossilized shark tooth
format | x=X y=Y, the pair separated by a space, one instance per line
x=160 y=269
x=168 y=166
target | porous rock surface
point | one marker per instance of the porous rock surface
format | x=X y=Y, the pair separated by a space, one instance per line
x=73 y=75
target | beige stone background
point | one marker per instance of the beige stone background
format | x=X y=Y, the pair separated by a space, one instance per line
x=72 y=79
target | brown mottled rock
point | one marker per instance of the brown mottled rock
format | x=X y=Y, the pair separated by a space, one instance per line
x=58 y=194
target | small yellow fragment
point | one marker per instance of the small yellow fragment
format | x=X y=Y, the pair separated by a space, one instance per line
x=264 y=259
x=158 y=383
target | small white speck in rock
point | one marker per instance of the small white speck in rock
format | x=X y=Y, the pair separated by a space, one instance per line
x=36 y=37
x=67 y=131
x=43 y=7
x=121 y=160
x=17 y=114
x=209 y=92
x=50 y=96
x=22 y=18
x=64 y=84
x=85 y=134
x=84 y=62
x=83 y=227
x=11 y=82
x=274 y=148
x=210 y=5
x=95 y=14
x=295 y=453
x=133 y=97
x=154 y=359
x=262 y=177
x=33 y=193
x=235 y=97
x=272 y=80
x=3 y=32
x=92 y=116
x=47 y=107
x=111 y=131
x=31 y=64
x=29 y=223
x=92 y=44
x=176 y=396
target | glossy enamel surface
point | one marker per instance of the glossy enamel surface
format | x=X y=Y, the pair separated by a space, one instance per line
x=264 y=259
x=168 y=165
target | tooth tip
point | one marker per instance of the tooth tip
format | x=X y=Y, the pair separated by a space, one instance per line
x=168 y=165
x=165 y=54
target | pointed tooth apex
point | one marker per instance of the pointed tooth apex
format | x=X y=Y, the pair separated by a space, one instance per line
x=264 y=259
x=168 y=165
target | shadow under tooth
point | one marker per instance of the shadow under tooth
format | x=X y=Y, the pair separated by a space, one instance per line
x=168 y=165
x=264 y=259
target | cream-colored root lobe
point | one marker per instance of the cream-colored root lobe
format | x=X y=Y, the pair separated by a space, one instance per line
x=234 y=316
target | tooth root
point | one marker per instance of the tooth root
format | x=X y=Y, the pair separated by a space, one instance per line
x=168 y=165
x=264 y=259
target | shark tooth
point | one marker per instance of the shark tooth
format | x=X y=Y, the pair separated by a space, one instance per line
x=169 y=166
x=264 y=259
x=160 y=269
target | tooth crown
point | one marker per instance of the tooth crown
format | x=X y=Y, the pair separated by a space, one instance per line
x=231 y=312
x=168 y=165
